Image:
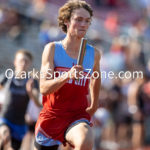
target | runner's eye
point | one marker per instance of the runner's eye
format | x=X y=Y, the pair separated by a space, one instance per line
x=78 y=19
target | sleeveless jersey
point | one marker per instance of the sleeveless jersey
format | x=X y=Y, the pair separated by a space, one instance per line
x=69 y=103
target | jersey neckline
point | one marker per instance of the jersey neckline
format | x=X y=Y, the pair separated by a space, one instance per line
x=66 y=52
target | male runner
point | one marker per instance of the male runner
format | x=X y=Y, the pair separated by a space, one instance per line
x=65 y=116
x=18 y=91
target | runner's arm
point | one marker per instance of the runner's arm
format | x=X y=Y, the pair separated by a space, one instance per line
x=95 y=85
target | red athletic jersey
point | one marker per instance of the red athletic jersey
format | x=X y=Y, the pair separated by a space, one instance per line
x=64 y=106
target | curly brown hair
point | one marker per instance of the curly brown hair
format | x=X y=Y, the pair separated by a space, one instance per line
x=66 y=10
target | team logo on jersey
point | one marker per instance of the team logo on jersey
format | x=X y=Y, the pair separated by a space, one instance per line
x=82 y=81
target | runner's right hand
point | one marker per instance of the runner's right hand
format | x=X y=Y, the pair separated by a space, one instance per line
x=75 y=72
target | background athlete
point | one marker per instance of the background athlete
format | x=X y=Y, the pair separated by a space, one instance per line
x=18 y=91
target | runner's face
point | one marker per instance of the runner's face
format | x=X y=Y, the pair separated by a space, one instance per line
x=22 y=62
x=79 y=22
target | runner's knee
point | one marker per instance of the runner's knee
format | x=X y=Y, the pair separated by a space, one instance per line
x=4 y=133
x=81 y=137
x=85 y=144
